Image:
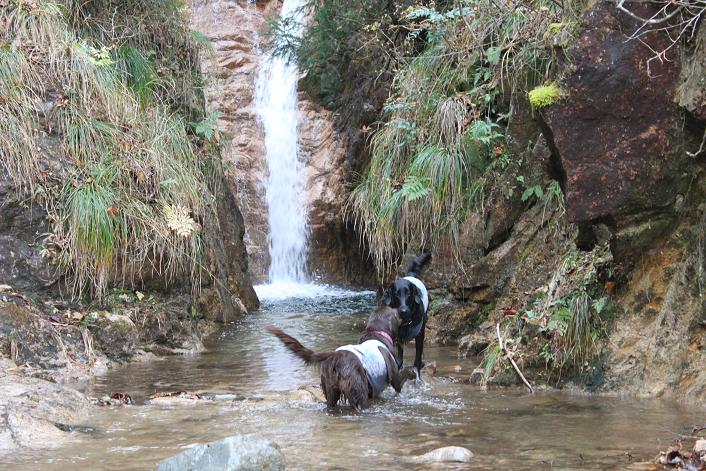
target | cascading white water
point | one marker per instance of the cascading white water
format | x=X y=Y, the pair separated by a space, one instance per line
x=276 y=103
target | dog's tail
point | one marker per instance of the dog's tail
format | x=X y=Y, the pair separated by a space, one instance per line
x=415 y=268
x=310 y=357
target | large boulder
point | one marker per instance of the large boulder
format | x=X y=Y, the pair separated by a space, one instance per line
x=240 y=452
x=618 y=134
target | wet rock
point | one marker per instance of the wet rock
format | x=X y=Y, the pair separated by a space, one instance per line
x=33 y=340
x=476 y=376
x=334 y=247
x=237 y=453
x=429 y=368
x=35 y=413
x=315 y=392
x=227 y=258
x=232 y=28
x=115 y=334
x=176 y=398
x=700 y=447
x=115 y=399
x=455 y=454
x=679 y=457
x=170 y=328
x=472 y=345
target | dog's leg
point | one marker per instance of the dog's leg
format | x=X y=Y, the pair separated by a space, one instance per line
x=332 y=394
x=400 y=357
x=395 y=376
x=419 y=347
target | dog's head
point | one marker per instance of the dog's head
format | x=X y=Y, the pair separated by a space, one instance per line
x=386 y=319
x=406 y=298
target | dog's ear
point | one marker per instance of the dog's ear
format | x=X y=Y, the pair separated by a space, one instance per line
x=387 y=297
x=417 y=294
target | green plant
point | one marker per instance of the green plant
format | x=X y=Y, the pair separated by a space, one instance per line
x=535 y=191
x=491 y=356
x=444 y=122
x=208 y=126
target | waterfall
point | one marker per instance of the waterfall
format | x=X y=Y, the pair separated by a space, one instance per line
x=276 y=103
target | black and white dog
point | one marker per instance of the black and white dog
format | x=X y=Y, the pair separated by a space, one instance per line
x=409 y=296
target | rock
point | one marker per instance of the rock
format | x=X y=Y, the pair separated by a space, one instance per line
x=476 y=376
x=315 y=391
x=455 y=454
x=691 y=93
x=429 y=368
x=656 y=346
x=618 y=135
x=334 y=247
x=21 y=264
x=240 y=452
x=115 y=334
x=700 y=446
x=35 y=341
x=35 y=413
x=234 y=30
x=228 y=258
x=231 y=71
x=472 y=345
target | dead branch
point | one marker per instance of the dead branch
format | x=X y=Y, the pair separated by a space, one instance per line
x=701 y=147
x=509 y=357
x=653 y=20
x=677 y=19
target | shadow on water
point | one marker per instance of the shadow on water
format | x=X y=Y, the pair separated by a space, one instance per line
x=506 y=429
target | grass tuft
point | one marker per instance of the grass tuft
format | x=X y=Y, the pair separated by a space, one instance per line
x=127 y=154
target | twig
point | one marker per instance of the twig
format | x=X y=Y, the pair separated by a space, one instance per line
x=509 y=357
x=697 y=429
x=701 y=147
x=653 y=20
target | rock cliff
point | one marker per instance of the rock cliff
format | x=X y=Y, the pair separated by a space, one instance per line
x=237 y=32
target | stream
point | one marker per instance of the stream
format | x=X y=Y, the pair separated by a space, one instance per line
x=245 y=367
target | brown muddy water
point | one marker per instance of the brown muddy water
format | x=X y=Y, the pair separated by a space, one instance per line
x=506 y=429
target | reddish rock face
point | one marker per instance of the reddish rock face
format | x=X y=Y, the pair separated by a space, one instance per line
x=236 y=33
x=617 y=135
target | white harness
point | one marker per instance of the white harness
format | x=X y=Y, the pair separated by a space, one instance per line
x=374 y=363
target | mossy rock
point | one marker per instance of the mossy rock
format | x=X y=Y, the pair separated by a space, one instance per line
x=115 y=334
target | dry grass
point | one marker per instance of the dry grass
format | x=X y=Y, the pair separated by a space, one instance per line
x=131 y=157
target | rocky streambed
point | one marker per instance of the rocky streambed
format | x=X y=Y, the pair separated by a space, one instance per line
x=243 y=382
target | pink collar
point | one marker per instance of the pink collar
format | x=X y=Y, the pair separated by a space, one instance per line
x=384 y=335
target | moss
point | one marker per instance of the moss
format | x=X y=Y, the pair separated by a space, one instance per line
x=485 y=313
x=545 y=95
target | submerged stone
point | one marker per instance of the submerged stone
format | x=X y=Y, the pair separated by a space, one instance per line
x=456 y=454
x=239 y=452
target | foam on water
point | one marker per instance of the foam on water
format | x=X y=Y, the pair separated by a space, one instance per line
x=283 y=290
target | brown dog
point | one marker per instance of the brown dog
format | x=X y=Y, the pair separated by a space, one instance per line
x=357 y=372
